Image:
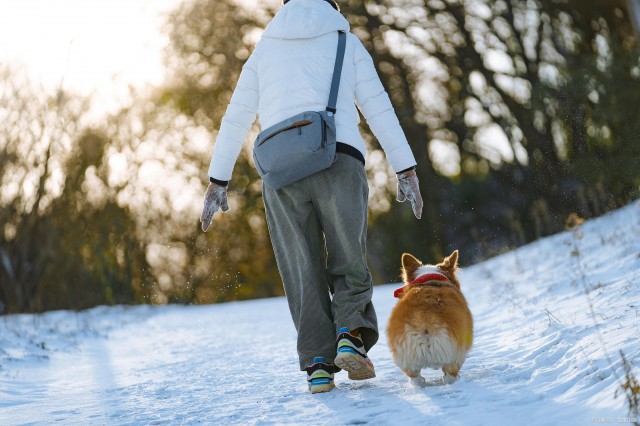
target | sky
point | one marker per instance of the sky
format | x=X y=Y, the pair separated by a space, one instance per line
x=90 y=47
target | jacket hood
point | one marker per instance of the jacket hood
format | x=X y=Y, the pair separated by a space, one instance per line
x=305 y=19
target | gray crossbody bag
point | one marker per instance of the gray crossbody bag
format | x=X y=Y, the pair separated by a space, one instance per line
x=303 y=144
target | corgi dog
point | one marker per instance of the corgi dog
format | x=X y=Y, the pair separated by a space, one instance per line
x=431 y=325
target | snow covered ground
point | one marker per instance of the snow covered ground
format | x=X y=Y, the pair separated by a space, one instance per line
x=550 y=320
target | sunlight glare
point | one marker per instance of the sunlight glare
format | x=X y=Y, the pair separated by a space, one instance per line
x=86 y=47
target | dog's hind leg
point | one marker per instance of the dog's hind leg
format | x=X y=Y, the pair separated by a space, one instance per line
x=450 y=373
x=415 y=378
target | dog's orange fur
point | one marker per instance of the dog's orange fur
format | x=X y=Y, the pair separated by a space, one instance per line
x=430 y=326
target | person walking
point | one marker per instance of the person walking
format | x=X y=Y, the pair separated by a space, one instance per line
x=318 y=224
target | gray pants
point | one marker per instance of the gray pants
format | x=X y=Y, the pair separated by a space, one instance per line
x=318 y=229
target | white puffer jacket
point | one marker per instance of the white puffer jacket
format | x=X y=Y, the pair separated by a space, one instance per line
x=290 y=72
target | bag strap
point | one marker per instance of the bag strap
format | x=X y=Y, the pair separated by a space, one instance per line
x=337 y=71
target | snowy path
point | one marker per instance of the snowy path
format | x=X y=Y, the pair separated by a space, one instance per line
x=538 y=357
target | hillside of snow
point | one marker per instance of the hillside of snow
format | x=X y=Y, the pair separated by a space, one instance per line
x=550 y=321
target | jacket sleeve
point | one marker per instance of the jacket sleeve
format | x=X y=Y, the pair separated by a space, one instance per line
x=236 y=123
x=374 y=103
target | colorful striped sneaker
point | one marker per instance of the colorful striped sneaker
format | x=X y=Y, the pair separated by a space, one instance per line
x=320 y=375
x=351 y=356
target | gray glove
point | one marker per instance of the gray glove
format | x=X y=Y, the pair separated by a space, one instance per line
x=215 y=198
x=408 y=189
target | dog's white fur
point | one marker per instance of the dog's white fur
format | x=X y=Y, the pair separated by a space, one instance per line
x=418 y=350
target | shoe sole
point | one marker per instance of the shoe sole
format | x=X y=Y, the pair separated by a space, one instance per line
x=356 y=365
x=321 y=388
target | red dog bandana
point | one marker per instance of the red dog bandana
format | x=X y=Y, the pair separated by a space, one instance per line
x=433 y=276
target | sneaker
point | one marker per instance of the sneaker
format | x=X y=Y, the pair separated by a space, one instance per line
x=320 y=376
x=351 y=356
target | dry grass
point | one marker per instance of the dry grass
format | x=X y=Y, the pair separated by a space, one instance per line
x=630 y=388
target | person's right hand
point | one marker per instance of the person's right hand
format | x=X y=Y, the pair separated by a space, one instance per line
x=408 y=189
x=215 y=198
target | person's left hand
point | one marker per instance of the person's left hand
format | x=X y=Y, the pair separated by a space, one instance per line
x=408 y=189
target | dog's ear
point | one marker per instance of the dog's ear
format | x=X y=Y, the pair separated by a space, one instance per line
x=409 y=266
x=450 y=262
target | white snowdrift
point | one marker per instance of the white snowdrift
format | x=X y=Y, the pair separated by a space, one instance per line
x=550 y=320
